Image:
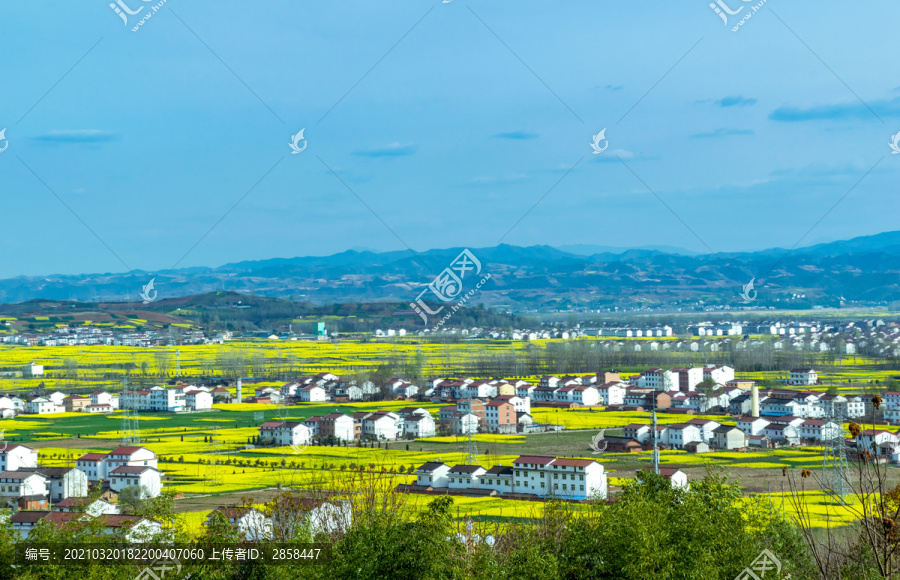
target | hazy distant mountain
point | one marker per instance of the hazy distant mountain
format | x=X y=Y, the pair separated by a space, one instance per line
x=540 y=277
x=590 y=250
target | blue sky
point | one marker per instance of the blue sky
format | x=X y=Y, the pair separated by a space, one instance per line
x=437 y=125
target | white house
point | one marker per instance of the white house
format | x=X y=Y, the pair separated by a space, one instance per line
x=556 y=476
x=782 y=432
x=465 y=423
x=719 y=373
x=101 y=398
x=382 y=425
x=134 y=529
x=681 y=434
x=803 y=377
x=406 y=390
x=752 y=425
x=521 y=404
x=290 y=514
x=676 y=477
x=419 y=425
x=149 y=479
x=63 y=482
x=14 y=457
x=465 y=476
x=707 y=428
x=97 y=466
x=285 y=433
x=339 y=425
x=251 y=524
x=433 y=474
x=313 y=394
x=586 y=395
x=612 y=393
x=94 y=507
x=198 y=400
x=499 y=477
x=56 y=397
x=865 y=439
x=22 y=483
x=163 y=399
x=139 y=400
x=34 y=370
x=638 y=432
x=40 y=406
x=820 y=430
x=92 y=465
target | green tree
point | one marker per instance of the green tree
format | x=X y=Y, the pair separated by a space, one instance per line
x=132 y=498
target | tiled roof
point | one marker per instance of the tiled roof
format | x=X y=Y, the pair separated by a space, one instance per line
x=124 y=450
x=130 y=469
x=468 y=469
x=536 y=459
x=568 y=462
x=431 y=465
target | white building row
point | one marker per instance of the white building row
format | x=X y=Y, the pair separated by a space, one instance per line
x=536 y=475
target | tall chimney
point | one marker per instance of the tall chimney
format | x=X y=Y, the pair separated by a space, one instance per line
x=239 y=390
x=754 y=398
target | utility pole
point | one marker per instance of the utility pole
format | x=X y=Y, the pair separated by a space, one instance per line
x=471 y=443
x=131 y=435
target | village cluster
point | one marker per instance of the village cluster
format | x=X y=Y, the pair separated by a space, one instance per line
x=182 y=398
x=764 y=418
x=62 y=494
x=870 y=337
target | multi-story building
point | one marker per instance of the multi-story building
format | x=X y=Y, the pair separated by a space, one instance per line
x=16 y=484
x=76 y=403
x=339 y=426
x=284 y=433
x=719 y=373
x=612 y=393
x=62 y=482
x=14 y=457
x=198 y=400
x=147 y=479
x=433 y=474
x=162 y=399
x=382 y=425
x=138 y=400
x=500 y=417
x=561 y=477
x=97 y=466
x=803 y=377
x=419 y=425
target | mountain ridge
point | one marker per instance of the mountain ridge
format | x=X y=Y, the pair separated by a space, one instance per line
x=541 y=277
